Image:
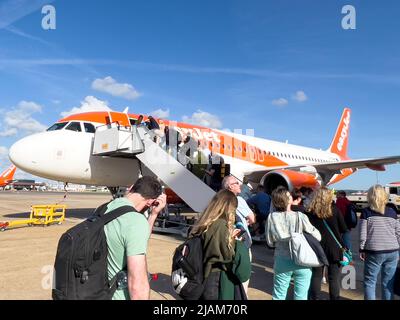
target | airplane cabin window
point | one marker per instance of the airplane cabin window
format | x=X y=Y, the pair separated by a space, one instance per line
x=57 y=126
x=74 y=126
x=89 y=128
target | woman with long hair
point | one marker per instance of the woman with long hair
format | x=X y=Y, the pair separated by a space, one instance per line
x=379 y=243
x=280 y=226
x=324 y=215
x=220 y=248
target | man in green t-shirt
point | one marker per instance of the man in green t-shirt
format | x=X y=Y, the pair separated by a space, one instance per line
x=128 y=235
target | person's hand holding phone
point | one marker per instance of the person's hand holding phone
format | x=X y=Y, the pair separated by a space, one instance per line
x=159 y=204
x=238 y=232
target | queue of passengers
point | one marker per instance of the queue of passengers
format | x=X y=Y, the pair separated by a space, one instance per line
x=227 y=240
x=317 y=214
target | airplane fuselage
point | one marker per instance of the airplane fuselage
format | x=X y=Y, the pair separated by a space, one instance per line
x=66 y=155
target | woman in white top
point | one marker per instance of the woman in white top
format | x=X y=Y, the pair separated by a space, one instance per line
x=281 y=224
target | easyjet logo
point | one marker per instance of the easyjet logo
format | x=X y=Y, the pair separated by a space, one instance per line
x=345 y=132
x=200 y=135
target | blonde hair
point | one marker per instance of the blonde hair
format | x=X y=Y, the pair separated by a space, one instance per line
x=377 y=198
x=321 y=203
x=222 y=206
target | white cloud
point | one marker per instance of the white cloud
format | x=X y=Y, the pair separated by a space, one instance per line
x=203 y=118
x=9 y=132
x=90 y=104
x=3 y=152
x=300 y=96
x=19 y=119
x=110 y=86
x=4 y=162
x=29 y=106
x=280 y=102
x=160 y=113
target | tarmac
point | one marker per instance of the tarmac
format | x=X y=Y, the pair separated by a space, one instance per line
x=27 y=253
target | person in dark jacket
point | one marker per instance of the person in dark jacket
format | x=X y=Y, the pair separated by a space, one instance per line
x=297 y=204
x=320 y=210
x=379 y=243
x=224 y=267
x=262 y=203
x=342 y=203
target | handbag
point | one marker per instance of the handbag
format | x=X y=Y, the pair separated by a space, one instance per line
x=300 y=250
x=347 y=256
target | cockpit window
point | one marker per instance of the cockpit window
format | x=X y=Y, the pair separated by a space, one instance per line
x=89 y=128
x=57 y=126
x=74 y=126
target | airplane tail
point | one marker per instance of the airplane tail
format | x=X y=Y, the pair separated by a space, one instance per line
x=8 y=174
x=340 y=141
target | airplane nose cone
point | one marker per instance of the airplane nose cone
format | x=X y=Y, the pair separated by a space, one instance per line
x=22 y=154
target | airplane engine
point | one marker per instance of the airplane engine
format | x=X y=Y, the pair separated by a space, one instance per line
x=288 y=179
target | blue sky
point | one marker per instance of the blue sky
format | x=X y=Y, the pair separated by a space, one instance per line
x=237 y=64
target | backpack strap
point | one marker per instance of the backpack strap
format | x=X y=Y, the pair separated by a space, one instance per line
x=110 y=216
x=116 y=213
x=331 y=232
x=298 y=223
x=101 y=209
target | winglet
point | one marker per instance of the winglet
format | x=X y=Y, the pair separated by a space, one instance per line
x=340 y=141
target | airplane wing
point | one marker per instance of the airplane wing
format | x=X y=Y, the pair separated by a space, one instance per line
x=377 y=164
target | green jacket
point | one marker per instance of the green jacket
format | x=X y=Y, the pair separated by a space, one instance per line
x=239 y=272
x=216 y=254
x=235 y=267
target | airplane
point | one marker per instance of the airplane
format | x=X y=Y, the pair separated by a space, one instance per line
x=65 y=153
x=7 y=176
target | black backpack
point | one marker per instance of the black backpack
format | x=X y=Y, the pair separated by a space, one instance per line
x=187 y=269
x=81 y=261
x=350 y=218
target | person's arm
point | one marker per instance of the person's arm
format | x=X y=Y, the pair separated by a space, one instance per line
x=245 y=211
x=268 y=232
x=210 y=172
x=155 y=211
x=251 y=218
x=309 y=228
x=138 y=282
x=363 y=234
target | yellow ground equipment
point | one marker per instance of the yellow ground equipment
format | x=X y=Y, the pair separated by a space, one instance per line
x=43 y=215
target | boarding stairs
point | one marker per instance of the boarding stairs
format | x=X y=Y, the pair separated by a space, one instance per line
x=137 y=142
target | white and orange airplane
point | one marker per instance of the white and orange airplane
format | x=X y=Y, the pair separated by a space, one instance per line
x=64 y=153
x=7 y=176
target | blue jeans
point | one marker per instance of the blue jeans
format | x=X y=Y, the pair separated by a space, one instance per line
x=347 y=239
x=284 y=269
x=374 y=263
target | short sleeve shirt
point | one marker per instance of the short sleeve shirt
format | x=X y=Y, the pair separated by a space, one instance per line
x=242 y=212
x=126 y=236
